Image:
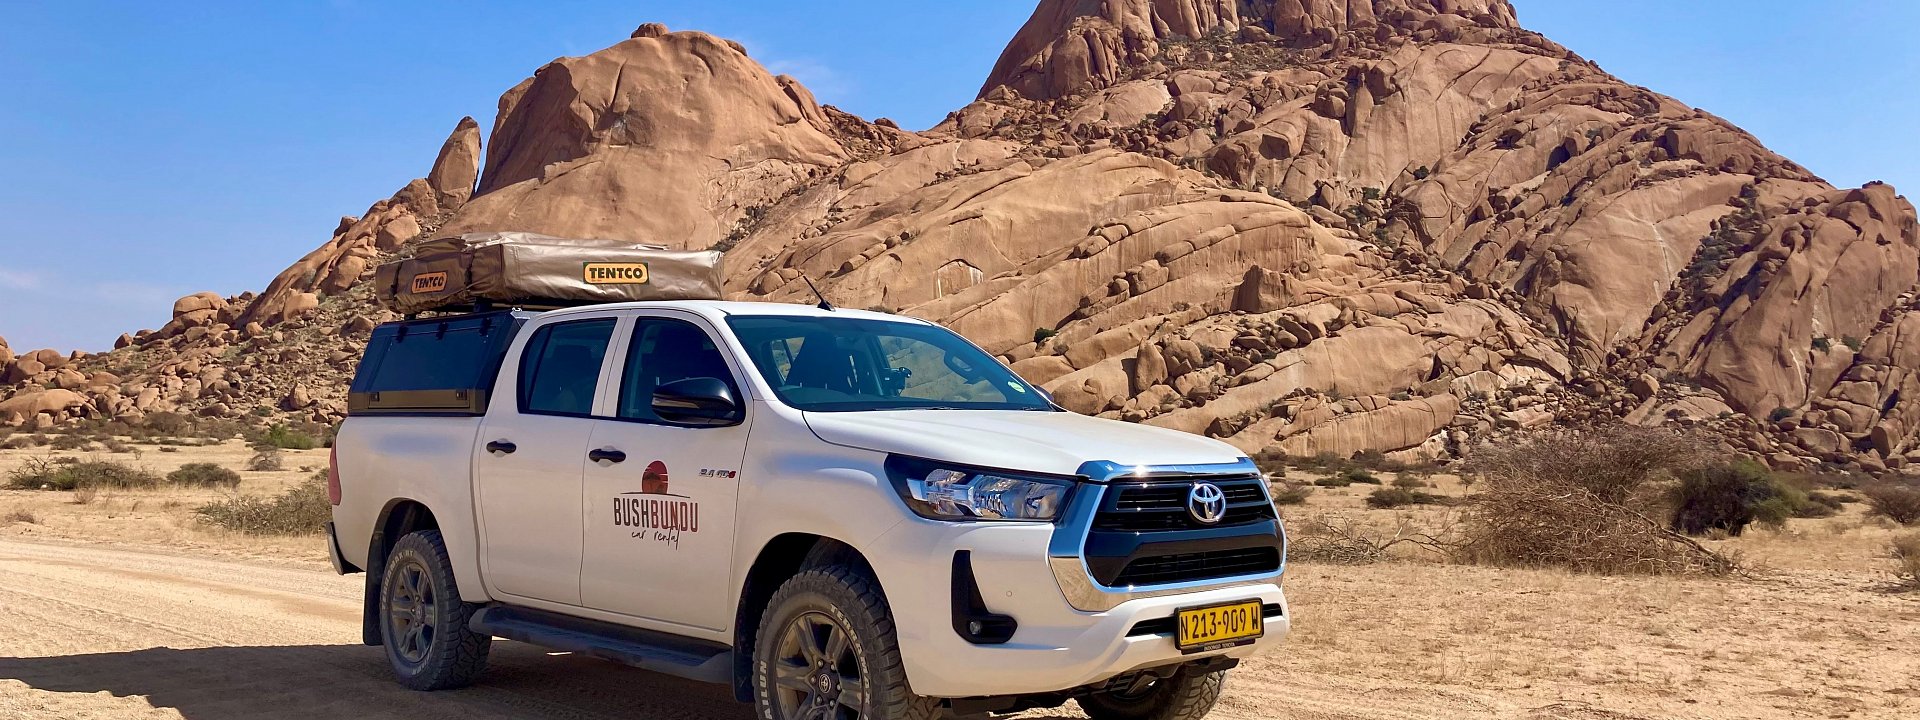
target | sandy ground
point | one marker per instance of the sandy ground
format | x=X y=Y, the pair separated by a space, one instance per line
x=122 y=613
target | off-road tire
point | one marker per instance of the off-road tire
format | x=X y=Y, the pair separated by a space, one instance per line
x=1187 y=696
x=454 y=655
x=851 y=598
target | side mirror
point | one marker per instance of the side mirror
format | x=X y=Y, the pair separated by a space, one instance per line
x=703 y=401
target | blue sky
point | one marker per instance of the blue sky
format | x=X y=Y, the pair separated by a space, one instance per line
x=150 y=150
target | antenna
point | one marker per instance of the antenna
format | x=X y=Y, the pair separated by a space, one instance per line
x=824 y=305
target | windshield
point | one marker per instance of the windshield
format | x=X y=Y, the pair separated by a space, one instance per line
x=843 y=364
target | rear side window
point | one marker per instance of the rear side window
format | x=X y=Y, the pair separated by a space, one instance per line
x=560 y=368
x=443 y=366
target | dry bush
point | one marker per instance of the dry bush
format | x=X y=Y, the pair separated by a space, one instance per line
x=268 y=460
x=1289 y=494
x=116 y=445
x=21 y=516
x=1897 y=502
x=85 y=494
x=301 y=509
x=71 y=442
x=1574 y=499
x=1393 y=497
x=203 y=474
x=1341 y=540
x=1906 y=556
x=46 y=474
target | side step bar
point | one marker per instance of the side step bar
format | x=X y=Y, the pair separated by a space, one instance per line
x=643 y=649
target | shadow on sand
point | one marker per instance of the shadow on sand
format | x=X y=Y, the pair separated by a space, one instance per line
x=345 y=681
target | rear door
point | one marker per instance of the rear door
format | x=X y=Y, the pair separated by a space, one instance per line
x=530 y=455
x=660 y=522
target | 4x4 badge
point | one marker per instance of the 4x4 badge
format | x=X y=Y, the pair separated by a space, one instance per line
x=1207 y=503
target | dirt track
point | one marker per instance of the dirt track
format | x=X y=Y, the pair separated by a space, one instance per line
x=94 y=632
x=91 y=632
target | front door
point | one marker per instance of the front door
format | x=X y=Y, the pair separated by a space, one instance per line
x=529 y=458
x=660 y=519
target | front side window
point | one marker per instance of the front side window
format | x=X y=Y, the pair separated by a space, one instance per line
x=560 y=367
x=855 y=364
x=663 y=352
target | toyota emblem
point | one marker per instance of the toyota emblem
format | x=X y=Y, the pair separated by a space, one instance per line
x=1207 y=503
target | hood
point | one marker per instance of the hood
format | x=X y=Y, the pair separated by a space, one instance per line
x=1043 y=442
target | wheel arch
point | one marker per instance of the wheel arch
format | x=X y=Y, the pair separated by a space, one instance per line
x=782 y=557
x=396 y=520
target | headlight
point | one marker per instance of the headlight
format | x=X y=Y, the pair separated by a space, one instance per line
x=952 y=492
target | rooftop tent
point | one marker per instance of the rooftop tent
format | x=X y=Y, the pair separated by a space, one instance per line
x=515 y=268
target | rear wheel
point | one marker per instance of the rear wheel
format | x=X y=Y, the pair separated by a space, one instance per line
x=826 y=651
x=1185 y=696
x=423 y=622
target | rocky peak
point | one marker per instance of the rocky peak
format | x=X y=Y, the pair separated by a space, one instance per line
x=641 y=141
x=1071 y=46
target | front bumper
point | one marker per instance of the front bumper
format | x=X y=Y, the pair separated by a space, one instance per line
x=1057 y=646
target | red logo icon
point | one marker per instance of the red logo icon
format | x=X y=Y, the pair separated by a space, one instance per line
x=654 y=480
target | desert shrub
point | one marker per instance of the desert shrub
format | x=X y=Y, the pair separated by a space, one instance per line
x=267 y=460
x=1041 y=335
x=286 y=437
x=85 y=494
x=1290 y=494
x=1408 y=481
x=1272 y=463
x=168 y=423
x=1780 y=413
x=169 y=449
x=1896 y=502
x=17 y=442
x=71 y=442
x=1394 y=497
x=1730 y=496
x=1832 y=500
x=1333 y=482
x=116 y=445
x=203 y=474
x=301 y=509
x=22 y=516
x=44 y=474
x=1906 y=558
x=1358 y=476
x=1573 y=499
x=1344 y=540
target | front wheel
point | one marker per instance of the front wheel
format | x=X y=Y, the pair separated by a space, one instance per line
x=1185 y=696
x=826 y=650
x=423 y=622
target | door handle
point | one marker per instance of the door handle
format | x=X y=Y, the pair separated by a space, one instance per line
x=504 y=447
x=609 y=455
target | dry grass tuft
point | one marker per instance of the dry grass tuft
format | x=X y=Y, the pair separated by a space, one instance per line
x=1894 y=501
x=268 y=460
x=1342 y=540
x=20 y=516
x=1569 y=499
x=301 y=509
x=1906 y=557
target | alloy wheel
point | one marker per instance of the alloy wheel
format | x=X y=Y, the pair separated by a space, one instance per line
x=816 y=671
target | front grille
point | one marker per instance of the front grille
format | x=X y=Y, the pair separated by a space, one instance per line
x=1164 y=569
x=1162 y=505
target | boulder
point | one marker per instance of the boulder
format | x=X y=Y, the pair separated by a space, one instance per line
x=457 y=167
x=52 y=402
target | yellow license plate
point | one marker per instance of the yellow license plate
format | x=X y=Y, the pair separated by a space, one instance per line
x=1219 y=626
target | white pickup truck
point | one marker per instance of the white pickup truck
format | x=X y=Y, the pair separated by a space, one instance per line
x=840 y=513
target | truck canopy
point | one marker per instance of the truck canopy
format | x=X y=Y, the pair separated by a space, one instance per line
x=436 y=366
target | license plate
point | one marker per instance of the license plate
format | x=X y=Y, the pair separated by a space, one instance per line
x=1217 y=627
